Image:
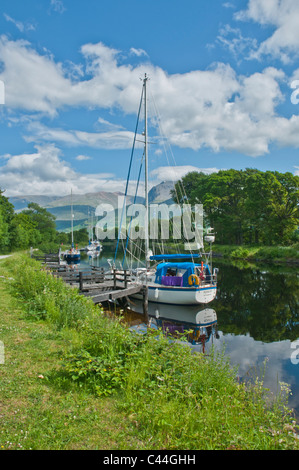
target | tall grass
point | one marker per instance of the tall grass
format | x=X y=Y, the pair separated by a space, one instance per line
x=177 y=399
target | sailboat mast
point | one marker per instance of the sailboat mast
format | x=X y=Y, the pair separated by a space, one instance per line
x=146 y=173
x=72 y=223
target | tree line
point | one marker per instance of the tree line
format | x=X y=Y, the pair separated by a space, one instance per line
x=245 y=206
x=34 y=226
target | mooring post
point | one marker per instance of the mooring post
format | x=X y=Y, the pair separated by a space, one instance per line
x=114 y=279
x=80 y=280
x=145 y=304
x=125 y=278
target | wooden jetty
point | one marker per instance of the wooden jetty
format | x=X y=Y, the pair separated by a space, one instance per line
x=101 y=286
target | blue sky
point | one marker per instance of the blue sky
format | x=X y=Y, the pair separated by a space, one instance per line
x=221 y=77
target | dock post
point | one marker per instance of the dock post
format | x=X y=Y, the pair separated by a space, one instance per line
x=145 y=304
x=114 y=279
x=80 y=280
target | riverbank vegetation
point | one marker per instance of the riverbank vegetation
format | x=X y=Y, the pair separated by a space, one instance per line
x=273 y=254
x=255 y=215
x=245 y=207
x=74 y=378
x=34 y=226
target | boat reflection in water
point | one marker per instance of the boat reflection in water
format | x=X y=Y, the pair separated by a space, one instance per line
x=198 y=324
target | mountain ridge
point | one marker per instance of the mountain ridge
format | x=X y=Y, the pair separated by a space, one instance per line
x=84 y=205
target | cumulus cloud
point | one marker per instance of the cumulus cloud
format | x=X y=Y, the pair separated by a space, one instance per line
x=284 y=16
x=45 y=172
x=213 y=108
x=174 y=173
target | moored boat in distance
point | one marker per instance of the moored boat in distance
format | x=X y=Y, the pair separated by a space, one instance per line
x=73 y=255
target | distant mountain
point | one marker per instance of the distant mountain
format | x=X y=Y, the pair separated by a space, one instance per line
x=84 y=205
x=161 y=193
x=91 y=200
x=21 y=202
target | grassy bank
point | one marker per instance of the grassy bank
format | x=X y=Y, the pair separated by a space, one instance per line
x=275 y=254
x=75 y=379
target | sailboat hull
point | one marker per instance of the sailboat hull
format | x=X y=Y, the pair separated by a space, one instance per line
x=180 y=295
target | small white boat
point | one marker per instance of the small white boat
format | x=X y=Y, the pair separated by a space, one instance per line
x=73 y=255
x=93 y=245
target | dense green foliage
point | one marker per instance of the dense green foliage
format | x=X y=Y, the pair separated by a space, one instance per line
x=245 y=207
x=34 y=226
x=177 y=398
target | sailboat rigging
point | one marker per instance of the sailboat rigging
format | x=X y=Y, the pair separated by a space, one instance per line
x=176 y=279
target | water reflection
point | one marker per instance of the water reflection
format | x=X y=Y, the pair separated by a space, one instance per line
x=198 y=324
x=261 y=302
x=257 y=321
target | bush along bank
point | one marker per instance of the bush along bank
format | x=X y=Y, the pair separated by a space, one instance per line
x=268 y=254
x=178 y=399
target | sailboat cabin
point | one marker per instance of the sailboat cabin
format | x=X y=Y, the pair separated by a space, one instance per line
x=182 y=274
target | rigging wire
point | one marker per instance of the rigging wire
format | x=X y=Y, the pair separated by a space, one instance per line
x=171 y=154
x=128 y=177
x=129 y=229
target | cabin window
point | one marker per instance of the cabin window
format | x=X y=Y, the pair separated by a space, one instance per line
x=181 y=272
x=171 y=272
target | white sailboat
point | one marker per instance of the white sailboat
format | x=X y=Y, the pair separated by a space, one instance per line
x=94 y=247
x=72 y=255
x=176 y=279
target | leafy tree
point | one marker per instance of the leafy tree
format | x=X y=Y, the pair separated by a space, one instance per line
x=6 y=216
x=24 y=232
x=247 y=206
x=44 y=220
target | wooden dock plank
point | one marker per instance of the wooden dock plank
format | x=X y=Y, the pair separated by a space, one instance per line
x=95 y=283
x=115 y=294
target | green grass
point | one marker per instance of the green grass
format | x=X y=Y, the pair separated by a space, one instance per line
x=75 y=379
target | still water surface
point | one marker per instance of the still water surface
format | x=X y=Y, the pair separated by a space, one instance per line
x=254 y=319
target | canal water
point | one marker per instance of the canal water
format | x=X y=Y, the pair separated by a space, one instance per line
x=254 y=320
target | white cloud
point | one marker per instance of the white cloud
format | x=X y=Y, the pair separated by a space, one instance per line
x=284 y=16
x=57 y=5
x=113 y=139
x=45 y=172
x=81 y=158
x=233 y=40
x=18 y=24
x=174 y=173
x=213 y=108
x=138 y=52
